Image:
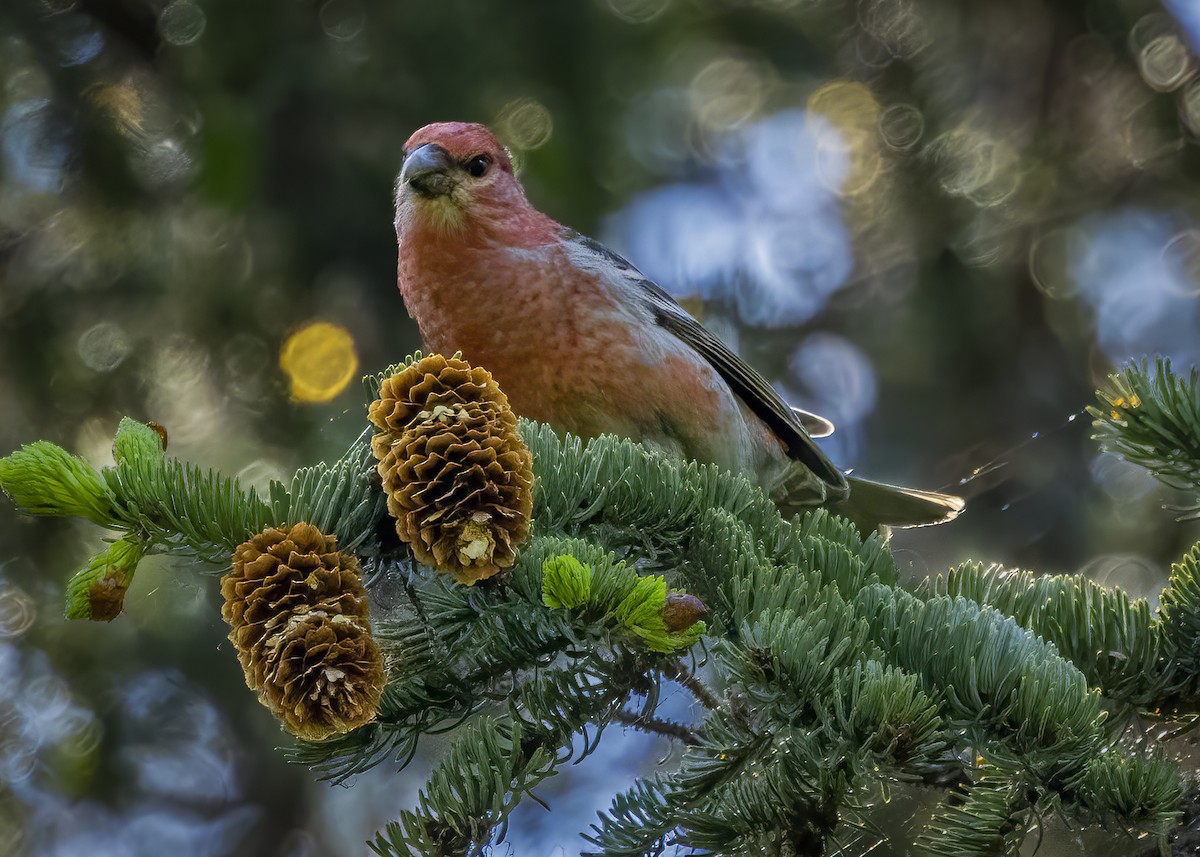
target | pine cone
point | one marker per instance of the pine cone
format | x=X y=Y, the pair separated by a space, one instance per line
x=325 y=675
x=298 y=614
x=458 y=477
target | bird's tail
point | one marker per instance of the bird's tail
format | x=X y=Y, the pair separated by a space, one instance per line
x=872 y=505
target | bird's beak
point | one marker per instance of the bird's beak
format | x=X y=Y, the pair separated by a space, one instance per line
x=427 y=170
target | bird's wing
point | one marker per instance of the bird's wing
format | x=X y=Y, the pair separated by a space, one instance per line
x=787 y=423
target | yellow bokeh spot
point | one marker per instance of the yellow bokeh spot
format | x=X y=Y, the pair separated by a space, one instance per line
x=123 y=104
x=849 y=158
x=319 y=360
x=845 y=104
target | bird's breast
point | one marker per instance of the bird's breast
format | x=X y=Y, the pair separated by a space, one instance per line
x=570 y=349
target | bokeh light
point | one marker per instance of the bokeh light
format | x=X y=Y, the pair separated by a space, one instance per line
x=181 y=22
x=524 y=124
x=1164 y=62
x=319 y=360
x=727 y=92
x=1143 y=297
x=849 y=160
x=899 y=25
x=343 y=20
x=774 y=249
x=901 y=126
x=637 y=11
x=104 y=346
x=35 y=147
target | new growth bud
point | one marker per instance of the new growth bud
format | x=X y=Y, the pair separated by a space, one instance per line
x=42 y=478
x=97 y=591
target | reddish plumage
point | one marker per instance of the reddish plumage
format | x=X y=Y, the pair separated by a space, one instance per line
x=501 y=286
x=577 y=337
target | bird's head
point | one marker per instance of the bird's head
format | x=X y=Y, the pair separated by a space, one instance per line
x=456 y=174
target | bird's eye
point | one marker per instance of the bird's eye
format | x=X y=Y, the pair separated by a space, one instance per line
x=478 y=165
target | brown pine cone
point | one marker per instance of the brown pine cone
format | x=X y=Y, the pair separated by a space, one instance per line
x=324 y=675
x=459 y=479
x=284 y=588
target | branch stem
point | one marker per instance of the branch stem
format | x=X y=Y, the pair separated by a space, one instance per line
x=659 y=726
x=689 y=681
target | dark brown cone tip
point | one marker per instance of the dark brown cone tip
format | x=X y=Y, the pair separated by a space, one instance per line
x=681 y=611
x=106 y=597
x=458 y=477
x=297 y=612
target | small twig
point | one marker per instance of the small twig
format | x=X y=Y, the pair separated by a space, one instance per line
x=658 y=726
x=694 y=686
x=409 y=570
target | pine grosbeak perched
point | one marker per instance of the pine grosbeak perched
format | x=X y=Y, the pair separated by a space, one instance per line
x=580 y=339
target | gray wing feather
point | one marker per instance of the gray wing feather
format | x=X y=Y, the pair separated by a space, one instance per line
x=786 y=422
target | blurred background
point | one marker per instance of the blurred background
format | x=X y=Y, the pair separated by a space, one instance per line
x=940 y=224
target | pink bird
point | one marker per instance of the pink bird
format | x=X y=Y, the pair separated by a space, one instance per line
x=578 y=338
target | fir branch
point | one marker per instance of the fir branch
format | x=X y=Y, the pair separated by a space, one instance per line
x=97 y=591
x=475 y=645
x=1179 y=621
x=1136 y=789
x=989 y=820
x=640 y=822
x=1112 y=638
x=1151 y=417
x=838 y=681
x=469 y=794
x=658 y=726
x=1000 y=683
x=689 y=681
x=648 y=505
x=189 y=511
x=884 y=710
x=427 y=694
x=480 y=780
x=180 y=508
x=1015 y=695
x=337 y=498
x=744 y=792
x=42 y=478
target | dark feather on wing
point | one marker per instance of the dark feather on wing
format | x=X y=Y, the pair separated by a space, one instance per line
x=759 y=396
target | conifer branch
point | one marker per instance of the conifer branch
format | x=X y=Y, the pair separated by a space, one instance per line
x=1112 y=638
x=658 y=726
x=989 y=818
x=687 y=679
x=1151 y=416
x=835 y=680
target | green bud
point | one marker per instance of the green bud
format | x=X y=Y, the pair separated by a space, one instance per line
x=645 y=611
x=42 y=478
x=97 y=591
x=566 y=582
x=137 y=442
x=673 y=641
x=642 y=607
